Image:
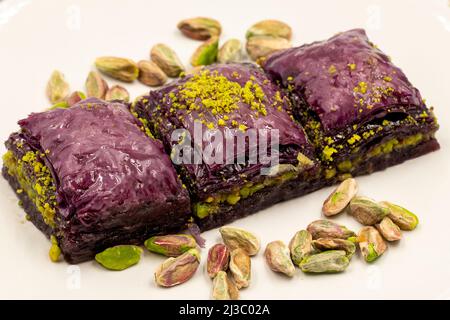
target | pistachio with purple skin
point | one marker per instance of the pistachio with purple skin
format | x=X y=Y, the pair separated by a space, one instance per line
x=117 y=92
x=218 y=259
x=96 y=86
x=240 y=267
x=324 y=244
x=340 y=197
x=300 y=246
x=171 y=245
x=239 y=238
x=371 y=243
x=389 y=230
x=271 y=28
x=402 y=217
x=118 y=68
x=224 y=288
x=366 y=211
x=175 y=271
x=328 y=229
x=278 y=258
x=259 y=47
x=150 y=74
x=200 y=28
x=75 y=97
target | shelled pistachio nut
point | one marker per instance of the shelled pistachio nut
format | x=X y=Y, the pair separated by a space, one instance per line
x=224 y=288
x=389 y=230
x=366 y=211
x=171 y=245
x=239 y=238
x=230 y=51
x=119 y=257
x=371 y=243
x=150 y=74
x=300 y=246
x=200 y=28
x=328 y=229
x=259 y=47
x=117 y=92
x=175 y=271
x=57 y=87
x=340 y=197
x=270 y=28
x=218 y=259
x=206 y=53
x=278 y=258
x=118 y=68
x=402 y=217
x=96 y=86
x=240 y=267
x=325 y=262
x=75 y=97
x=325 y=244
x=167 y=60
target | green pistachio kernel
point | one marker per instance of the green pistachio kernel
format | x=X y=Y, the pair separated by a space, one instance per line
x=119 y=257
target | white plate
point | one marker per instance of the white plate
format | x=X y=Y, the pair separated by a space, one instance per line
x=39 y=36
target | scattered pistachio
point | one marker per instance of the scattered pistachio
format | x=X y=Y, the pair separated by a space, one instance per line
x=340 y=198
x=270 y=28
x=230 y=51
x=96 y=86
x=239 y=238
x=224 y=288
x=171 y=245
x=218 y=259
x=178 y=270
x=278 y=258
x=57 y=87
x=167 y=60
x=371 y=243
x=75 y=97
x=366 y=211
x=402 y=217
x=258 y=47
x=55 y=251
x=389 y=230
x=206 y=53
x=301 y=246
x=200 y=28
x=240 y=267
x=119 y=257
x=328 y=229
x=117 y=92
x=325 y=262
x=324 y=244
x=118 y=68
x=150 y=74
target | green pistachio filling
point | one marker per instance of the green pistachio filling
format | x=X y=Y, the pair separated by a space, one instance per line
x=36 y=180
x=211 y=205
x=381 y=149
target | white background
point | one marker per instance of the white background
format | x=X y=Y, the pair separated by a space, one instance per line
x=37 y=37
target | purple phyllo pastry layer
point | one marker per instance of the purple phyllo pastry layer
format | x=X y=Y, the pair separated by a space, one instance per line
x=359 y=109
x=91 y=177
x=232 y=100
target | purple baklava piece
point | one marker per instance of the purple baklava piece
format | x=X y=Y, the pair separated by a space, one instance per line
x=231 y=100
x=90 y=177
x=359 y=109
